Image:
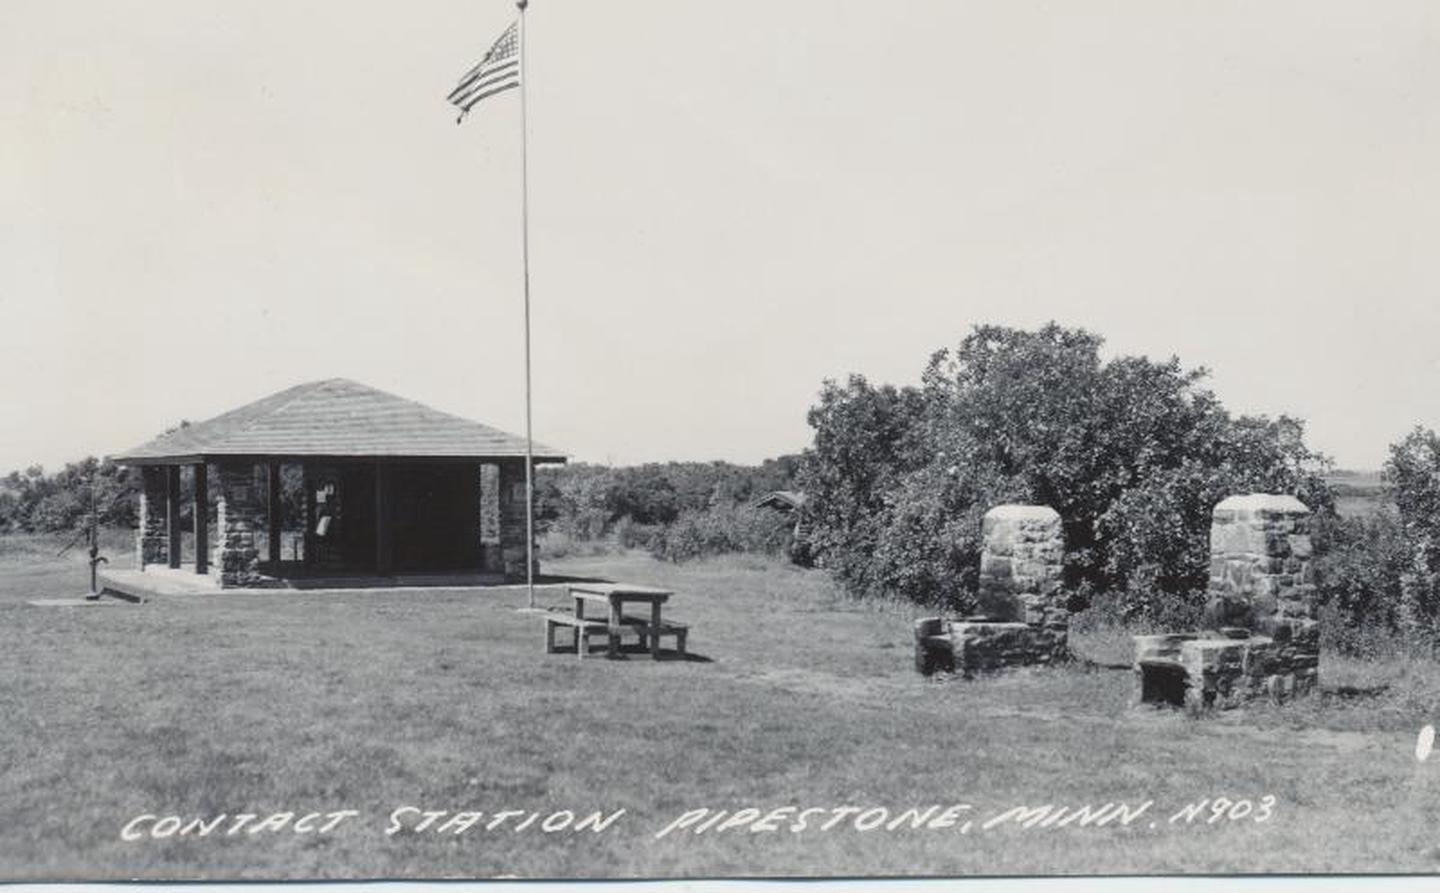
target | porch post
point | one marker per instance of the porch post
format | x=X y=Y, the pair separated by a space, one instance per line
x=202 y=522
x=172 y=513
x=273 y=514
x=384 y=543
x=308 y=483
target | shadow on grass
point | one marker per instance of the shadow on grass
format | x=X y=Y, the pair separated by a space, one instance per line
x=1090 y=666
x=635 y=652
x=1355 y=692
x=561 y=579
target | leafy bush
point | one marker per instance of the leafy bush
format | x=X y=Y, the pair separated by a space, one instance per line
x=1358 y=573
x=34 y=502
x=630 y=534
x=1132 y=453
x=676 y=510
x=1413 y=472
x=557 y=544
x=721 y=530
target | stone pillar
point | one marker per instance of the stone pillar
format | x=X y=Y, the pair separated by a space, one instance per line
x=239 y=513
x=1020 y=565
x=1260 y=563
x=491 y=560
x=150 y=538
x=512 y=519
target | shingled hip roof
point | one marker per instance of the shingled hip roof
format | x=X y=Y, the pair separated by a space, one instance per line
x=335 y=417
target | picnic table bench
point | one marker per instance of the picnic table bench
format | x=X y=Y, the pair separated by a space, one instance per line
x=611 y=599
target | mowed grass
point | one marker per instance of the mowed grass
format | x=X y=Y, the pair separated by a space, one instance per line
x=264 y=702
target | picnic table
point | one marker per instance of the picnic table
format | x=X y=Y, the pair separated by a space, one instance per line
x=610 y=599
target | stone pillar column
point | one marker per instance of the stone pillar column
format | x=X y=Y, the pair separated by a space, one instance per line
x=1020 y=564
x=153 y=532
x=1260 y=563
x=489 y=495
x=1020 y=582
x=239 y=513
x=512 y=519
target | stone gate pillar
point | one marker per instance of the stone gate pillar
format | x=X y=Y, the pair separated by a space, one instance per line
x=151 y=538
x=239 y=513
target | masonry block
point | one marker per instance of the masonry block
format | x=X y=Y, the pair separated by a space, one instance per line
x=1262 y=638
x=239 y=513
x=1020 y=561
x=512 y=520
x=152 y=535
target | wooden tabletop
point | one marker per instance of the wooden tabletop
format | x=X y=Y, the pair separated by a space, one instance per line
x=624 y=590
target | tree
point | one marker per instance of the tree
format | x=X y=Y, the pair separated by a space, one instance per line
x=866 y=439
x=35 y=502
x=1413 y=472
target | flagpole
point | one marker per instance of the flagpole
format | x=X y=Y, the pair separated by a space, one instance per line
x=525 y=256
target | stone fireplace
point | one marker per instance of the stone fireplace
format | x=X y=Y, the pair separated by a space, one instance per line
x=1261 y=636
x=1022 y=617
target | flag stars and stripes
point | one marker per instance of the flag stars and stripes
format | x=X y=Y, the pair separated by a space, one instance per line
x=497 y=72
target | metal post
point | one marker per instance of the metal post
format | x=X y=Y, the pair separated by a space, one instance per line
x=95 y=558
x=525 y=257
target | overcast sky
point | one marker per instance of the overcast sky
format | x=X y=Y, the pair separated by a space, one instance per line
x=202 y=203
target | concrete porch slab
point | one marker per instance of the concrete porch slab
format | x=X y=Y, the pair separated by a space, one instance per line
x=77 y=602
x=166 y=581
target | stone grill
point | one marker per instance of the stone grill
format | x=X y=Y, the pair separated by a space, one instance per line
x=1261 y=638
x=1023 y=619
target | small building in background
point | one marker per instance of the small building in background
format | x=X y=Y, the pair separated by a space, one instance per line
x=390 y=486
x=783 y=501
x=792 y=504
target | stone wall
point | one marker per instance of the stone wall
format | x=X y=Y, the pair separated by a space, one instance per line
x=512 y=519
x=239 y=514
x=488 y=493
x=152 y=545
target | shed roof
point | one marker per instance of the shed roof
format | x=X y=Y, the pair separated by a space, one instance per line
x=335 y=417
x=788 y=499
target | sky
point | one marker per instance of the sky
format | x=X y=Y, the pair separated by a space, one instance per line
x=205 y=202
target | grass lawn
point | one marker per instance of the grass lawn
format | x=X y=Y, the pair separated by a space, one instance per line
x=442 y=700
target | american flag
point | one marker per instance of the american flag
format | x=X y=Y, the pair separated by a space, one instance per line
x=497 y=72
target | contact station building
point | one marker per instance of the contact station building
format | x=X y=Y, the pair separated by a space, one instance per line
x=327 y=482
